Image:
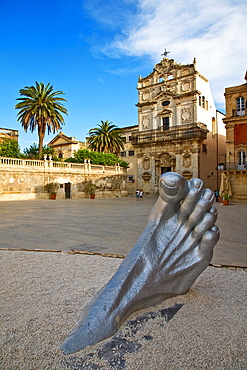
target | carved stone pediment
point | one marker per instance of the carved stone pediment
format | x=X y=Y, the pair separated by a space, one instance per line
x=165 y=112
x=165 y=66
x=167 y=160
x=146 y=176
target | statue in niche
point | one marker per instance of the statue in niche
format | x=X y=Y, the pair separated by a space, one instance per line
x=187 y=160
x=175 y=247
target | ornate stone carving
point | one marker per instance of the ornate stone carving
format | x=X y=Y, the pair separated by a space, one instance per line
x=165 y=66
x=146 y=163
x=186 y=86
x=146 y=176
x=186 y=115
x=146 y=96
x=166 y=160
x=146 y=124
x=187 y=160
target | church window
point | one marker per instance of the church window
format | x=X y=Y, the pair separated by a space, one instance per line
x=241 y=157
x=123 y=154
x=60 y=155
x=203 y=102
x=166 y=123
x=161 y=79
x=131 y=153
x=131 y=179
x=214 y=127
x=206 y=104
x=240 y=106
x=165 y=103
x=200 y=101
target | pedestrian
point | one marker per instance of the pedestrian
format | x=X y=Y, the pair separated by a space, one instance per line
x=141 y=194
x=216 y=194
x=137 y=194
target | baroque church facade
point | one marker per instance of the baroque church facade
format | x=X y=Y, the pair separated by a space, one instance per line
x=179 y=128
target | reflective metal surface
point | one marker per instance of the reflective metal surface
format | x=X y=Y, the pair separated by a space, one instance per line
x=175 y=247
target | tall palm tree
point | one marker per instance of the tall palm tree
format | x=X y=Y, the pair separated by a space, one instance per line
x=106 y=138
x=40 y=107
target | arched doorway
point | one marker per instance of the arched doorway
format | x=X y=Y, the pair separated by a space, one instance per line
x=166 y=163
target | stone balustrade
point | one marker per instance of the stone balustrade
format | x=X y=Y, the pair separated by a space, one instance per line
x=85 y=167
x=26 y=178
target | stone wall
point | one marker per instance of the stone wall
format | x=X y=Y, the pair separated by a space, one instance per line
x=238 y=181
x=26 y=179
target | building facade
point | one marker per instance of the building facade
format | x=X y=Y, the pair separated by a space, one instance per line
x=65 y=146
x=6 y=133
x=179 y=128
x=235 y=166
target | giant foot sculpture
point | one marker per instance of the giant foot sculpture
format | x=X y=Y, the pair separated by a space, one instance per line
x=175 y=247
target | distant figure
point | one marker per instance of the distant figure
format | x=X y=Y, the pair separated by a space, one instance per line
x=141 y=194
x=216 y=194
x=137 y=194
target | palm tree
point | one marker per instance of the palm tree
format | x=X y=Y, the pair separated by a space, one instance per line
x=40 y=106
x=106 y=138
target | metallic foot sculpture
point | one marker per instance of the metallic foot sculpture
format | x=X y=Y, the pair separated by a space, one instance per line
x=175 y=247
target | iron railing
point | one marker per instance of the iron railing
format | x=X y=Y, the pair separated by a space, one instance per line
x=232 y=166
x=183 y=132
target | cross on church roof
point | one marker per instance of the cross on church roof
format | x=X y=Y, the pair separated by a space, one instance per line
x=165 y=53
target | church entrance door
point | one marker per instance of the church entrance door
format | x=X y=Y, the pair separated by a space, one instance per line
x=165 y=169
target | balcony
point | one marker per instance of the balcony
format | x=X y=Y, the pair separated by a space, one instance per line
x=232 y=166
x=239 y=113
x=192 y=131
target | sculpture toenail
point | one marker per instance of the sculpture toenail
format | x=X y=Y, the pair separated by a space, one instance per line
x=196 y=183
x=207 y=194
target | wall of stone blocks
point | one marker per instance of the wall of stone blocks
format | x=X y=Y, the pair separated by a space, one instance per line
x=18 y=182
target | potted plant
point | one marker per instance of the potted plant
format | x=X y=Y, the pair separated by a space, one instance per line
x=90 y=189
x=52 y=189
x=225 y=198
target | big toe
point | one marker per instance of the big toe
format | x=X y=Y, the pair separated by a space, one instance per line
x=172 y=187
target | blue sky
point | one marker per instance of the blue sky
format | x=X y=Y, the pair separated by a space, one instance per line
x=94 y=51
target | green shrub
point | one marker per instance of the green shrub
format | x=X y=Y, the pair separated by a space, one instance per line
x=104 y=159
x=10 y=148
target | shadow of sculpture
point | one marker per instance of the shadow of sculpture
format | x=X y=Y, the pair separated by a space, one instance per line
x=175 y=247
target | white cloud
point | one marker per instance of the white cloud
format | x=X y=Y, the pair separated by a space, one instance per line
x=213 y=31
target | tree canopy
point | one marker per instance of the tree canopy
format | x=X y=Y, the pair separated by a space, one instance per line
x=40 y=106
x=33 y=151
x=106 y=138
x=10 y=148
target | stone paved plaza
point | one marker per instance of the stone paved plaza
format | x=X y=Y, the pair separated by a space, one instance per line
x=108 y=225
x=43 y=293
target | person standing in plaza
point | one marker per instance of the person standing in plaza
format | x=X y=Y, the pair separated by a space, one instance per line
x=137 y=194
x=141 y=194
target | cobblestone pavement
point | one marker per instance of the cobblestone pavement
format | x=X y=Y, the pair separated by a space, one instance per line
x=108 y=225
